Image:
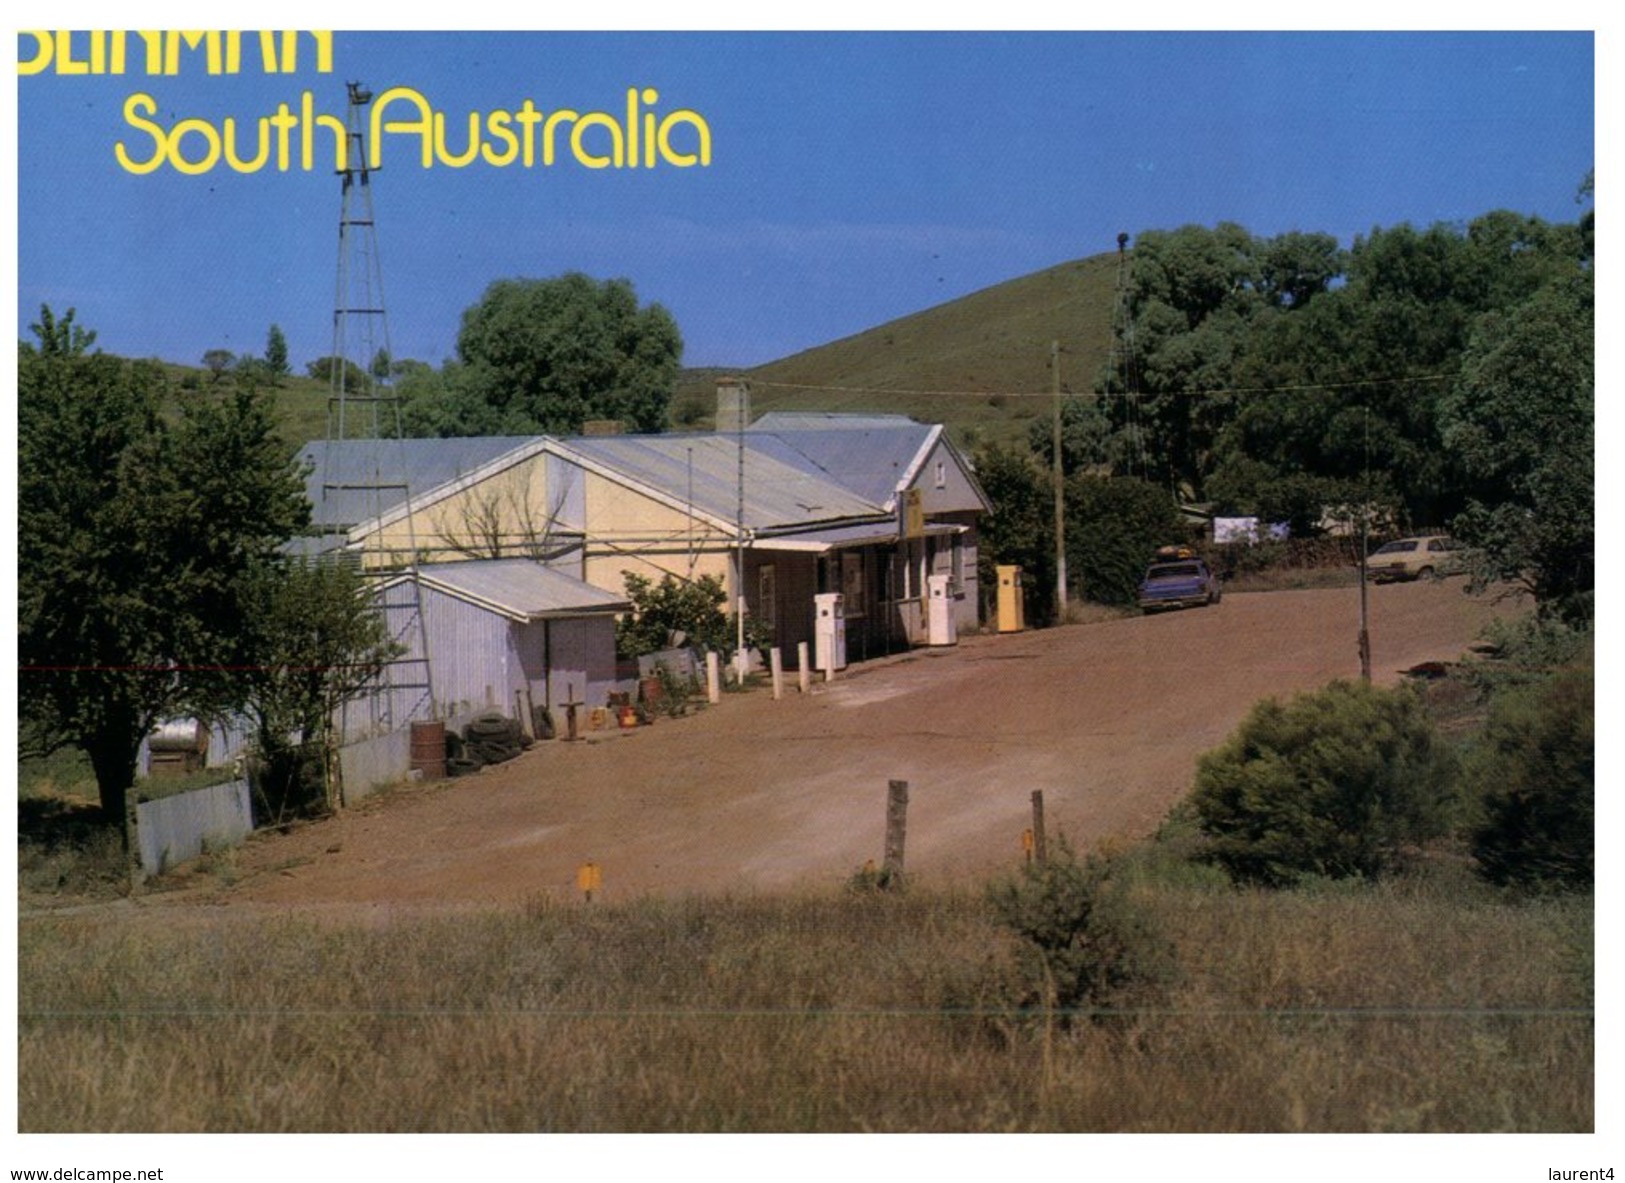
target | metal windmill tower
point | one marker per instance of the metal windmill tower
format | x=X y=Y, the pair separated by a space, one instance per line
x=1123 y=356
x=365 y=471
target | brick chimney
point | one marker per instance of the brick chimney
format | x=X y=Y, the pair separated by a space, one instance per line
x=733 y=405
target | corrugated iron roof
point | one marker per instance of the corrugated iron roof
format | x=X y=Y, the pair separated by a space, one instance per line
x=828 y=420
x=869 y=457
x=520 y=589
x=800 y=468
x=781 y=487
x=422 y=464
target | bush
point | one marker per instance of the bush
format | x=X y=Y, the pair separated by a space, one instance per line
x=692 y=607
x=1335 y=783
x=1082 y=946
x=1113 y=527
x=1538 y=751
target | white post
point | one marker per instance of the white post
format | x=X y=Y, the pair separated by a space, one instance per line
x=776 y=661
x=803 y=668
x=713 y=677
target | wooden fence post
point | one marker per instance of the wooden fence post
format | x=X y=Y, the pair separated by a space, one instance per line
x=1039 y=852
x=896 y=826
x=803 y=669
x=776 y=663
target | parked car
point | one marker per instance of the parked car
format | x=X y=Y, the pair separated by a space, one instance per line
x=1178 y=579
x=1424 y=557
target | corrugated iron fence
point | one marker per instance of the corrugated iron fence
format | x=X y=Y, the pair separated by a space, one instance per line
x=176 y=829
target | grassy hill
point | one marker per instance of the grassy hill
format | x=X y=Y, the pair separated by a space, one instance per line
x=980 y=363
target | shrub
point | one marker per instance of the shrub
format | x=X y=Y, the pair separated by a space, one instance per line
x=1538 y=751
x=1335 y=783
x=1081 y=943
x=1113 y=526
x=692 y=607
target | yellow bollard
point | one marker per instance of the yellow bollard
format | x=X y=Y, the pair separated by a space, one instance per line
x=589 y=878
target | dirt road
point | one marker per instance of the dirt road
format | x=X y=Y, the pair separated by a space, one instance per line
x=1107 y=719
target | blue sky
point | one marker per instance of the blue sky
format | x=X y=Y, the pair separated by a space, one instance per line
x=855 y=177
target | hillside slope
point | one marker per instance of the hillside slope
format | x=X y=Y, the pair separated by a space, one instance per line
x=979 y=363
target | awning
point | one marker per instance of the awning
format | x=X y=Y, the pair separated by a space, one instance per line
x=847 y=537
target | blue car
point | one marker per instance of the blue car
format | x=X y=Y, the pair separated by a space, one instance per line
x=1182 y=582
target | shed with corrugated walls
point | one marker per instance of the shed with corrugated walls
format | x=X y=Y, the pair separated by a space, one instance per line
x=512 y=634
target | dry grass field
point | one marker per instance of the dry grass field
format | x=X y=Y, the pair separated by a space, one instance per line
x=1422 y=1007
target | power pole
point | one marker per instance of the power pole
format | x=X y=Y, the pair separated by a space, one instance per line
x=1060 y=485
x=1365 y=525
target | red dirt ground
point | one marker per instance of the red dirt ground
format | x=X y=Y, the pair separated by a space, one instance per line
x=1107 y=719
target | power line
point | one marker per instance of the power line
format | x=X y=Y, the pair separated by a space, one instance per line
x=1207 y=392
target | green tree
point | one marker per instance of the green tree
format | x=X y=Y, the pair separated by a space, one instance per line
x=1193 y=298
x=135 y=523
x=1520 y=420
x=1086 y=437
x=1256 y=359
x=1113 y=526
x=1336 y=783
x=317 y=642
x=547 y=355
x=1020 y=531
x=1295 y=268
x=692 y=607
x=276 y=354
x=327 y=369
x=217 y=362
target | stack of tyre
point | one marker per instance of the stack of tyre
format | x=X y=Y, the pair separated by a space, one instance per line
x=491 y=738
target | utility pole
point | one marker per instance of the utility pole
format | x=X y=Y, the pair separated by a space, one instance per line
x=1060 y=485
x=1365 y=630
x=741 y=663
x=1365 y=526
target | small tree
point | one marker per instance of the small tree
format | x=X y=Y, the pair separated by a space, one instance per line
x=218 y=361
x=692 y=607
x=501 y=519
x=1337 y=782
x=317 y=643
x=276 y=354
x=1021 y=529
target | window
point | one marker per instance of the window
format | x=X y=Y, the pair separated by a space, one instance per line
x=852 y=582
x=767 y=596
